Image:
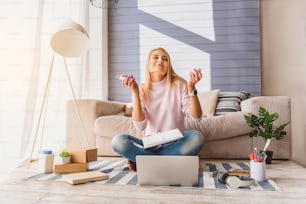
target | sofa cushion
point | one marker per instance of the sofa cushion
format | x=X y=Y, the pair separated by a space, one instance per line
x=208 y=101
x=213 y=128
x=111 y=125
x=220 y=127
x=230 y=101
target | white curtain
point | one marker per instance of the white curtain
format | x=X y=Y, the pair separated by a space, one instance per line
x=25 y=53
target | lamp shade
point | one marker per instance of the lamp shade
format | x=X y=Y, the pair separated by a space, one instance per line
x=70 y=40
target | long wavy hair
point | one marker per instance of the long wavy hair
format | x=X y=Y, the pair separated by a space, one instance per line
x=171 y=76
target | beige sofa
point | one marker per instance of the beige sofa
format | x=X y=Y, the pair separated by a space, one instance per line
x=226 y=136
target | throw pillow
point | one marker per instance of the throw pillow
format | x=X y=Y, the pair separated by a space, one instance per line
x=208 y=101
x=230 y=101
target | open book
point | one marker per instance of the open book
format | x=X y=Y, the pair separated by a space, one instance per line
x=162 y=138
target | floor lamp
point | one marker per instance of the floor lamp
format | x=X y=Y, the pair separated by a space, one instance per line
x=70 y=40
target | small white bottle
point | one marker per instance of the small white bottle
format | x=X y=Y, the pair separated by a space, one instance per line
x=46 y=159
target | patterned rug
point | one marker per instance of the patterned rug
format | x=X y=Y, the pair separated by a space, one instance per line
x=119 y=174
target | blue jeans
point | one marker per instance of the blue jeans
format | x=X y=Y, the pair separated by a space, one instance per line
x=129 y=146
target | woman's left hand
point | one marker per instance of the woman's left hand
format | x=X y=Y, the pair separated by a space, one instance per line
x=194 y=77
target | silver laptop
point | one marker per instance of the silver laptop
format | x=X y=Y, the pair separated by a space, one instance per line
x=167 y=170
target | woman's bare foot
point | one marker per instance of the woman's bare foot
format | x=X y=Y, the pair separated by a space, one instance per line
x=131 y=165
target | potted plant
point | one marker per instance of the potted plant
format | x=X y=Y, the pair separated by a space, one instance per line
x=63 y=158
x=262 y=125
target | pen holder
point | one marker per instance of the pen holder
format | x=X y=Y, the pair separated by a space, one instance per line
x=258 y=171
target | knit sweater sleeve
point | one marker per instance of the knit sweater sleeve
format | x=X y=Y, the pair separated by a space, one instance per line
x=141 y=125
x=186 y=109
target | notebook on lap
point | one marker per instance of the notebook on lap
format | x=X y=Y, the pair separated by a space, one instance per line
x=162 y=138
x=167 y=170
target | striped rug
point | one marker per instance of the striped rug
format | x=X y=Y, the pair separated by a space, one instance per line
x=119 y=174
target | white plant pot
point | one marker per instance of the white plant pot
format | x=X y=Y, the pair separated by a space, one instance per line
x=62 y=160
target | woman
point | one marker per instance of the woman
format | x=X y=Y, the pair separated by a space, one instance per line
x=160 y=104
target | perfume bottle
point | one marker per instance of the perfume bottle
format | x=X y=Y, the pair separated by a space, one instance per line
x=129 y=77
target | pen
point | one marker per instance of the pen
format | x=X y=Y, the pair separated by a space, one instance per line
x=252 y=156
x=255 y=154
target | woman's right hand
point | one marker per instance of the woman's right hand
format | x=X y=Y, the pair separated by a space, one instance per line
x=130 y=83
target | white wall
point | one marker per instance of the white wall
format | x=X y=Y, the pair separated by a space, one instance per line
x=284 y=62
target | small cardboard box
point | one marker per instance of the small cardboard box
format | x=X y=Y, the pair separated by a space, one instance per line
x=69 y=168
x=82 y=155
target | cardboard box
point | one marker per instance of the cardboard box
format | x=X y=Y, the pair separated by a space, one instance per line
x=69 y=168
x=82 y=155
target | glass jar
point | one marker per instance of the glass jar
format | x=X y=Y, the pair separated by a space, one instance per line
x=46 y=159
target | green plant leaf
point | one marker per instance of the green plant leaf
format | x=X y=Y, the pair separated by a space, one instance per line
x=280 y=131
x=64 y=154
x=262 y=125
x=253 y=133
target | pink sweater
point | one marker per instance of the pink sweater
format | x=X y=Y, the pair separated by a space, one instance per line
x=166 y=109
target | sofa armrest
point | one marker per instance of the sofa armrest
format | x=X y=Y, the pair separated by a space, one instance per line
x=90 y=110
x=274 y=104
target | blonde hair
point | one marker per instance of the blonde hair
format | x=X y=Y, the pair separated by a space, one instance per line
x=171 y=76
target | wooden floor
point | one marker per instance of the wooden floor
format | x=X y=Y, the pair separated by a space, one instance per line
x=290 y=176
